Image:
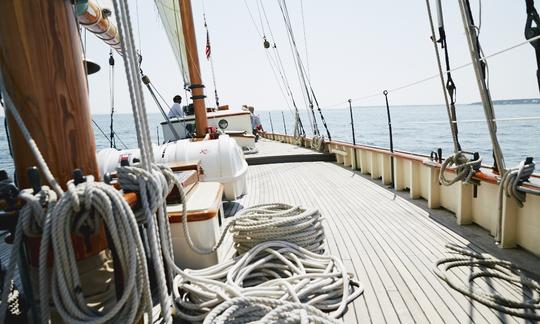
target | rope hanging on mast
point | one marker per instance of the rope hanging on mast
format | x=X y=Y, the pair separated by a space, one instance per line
x=531 y=32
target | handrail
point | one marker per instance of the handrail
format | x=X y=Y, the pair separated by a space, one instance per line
x=486 y=174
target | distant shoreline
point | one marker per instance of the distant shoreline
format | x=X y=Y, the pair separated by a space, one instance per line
x=512 y=102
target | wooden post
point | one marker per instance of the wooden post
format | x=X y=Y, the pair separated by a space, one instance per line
x=197 y=88
x=41 y=60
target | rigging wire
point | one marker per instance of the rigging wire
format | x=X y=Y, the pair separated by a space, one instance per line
x=301 y=76
x=82 y=42
x=449 y=89
x=111 y=96
x=434 y=76
x=138 y=25
x=281 y=70
x=209 y=56
x=310 y=93
x=482 y=76
x=280 y=65
x=305 y=37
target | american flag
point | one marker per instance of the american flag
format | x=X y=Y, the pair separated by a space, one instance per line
x=208 y=49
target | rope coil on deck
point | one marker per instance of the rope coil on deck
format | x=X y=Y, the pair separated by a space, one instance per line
x=276 y=270
x=465 y=168
x=490 y=268
x=277 y=222
x=261 y=223
x=266 y=310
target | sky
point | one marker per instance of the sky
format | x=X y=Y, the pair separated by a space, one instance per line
x=354 y=49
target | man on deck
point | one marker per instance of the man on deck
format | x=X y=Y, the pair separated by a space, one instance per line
x=255 y=122
x=176 y=109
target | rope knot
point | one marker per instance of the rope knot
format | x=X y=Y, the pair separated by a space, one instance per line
x=32 y=214
x=465 y=168
x=153 y=186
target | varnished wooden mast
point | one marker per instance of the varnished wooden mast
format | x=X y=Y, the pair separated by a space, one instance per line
x=197 y=88
x=41 y=60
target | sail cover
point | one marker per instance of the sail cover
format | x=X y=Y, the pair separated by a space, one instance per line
x=169 y=12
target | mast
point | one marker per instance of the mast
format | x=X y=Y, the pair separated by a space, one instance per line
x=41 y=62
x=197 y=88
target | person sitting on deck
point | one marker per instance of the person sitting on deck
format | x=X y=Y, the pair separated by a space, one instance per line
x=176 y=109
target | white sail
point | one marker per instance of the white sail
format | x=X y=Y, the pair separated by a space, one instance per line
x=169 y=12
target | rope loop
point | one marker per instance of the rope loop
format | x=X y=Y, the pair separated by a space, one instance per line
x=156 y=187
x=32 y=213
x=317 y=142
x=508 y=186
x=484 y=266
x=266 y=310
x=465 y=168
x=276 y=270
x=513 y=178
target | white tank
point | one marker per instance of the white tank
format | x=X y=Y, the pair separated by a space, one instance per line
x=222 y=161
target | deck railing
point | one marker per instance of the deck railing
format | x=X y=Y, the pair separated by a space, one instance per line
x=419 y=174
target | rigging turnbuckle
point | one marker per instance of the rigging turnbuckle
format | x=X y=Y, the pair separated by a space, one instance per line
x=531 y=32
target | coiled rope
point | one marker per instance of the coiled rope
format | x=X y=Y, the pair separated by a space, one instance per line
x=85 y=206
x=490 y=267
x=277 y=269
x=465 y=168
x=96 y=203
x=277 y=222
x=317 y=142
x=31 y=213
x=508 y=186
x=266 y=310
x=93 y=202
x=260 y=223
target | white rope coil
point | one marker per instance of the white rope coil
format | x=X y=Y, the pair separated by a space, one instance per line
x=29 y=223
x=276 y=270
x=277 y=222
x=266 y=310
x=261 y=223
x=465 y=168
x=487 y=267
x=317 y=142
x=508 y=186
x=153 y=189
x=108 y=204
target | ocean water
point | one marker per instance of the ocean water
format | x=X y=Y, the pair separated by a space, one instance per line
x=419 y=129
x=422 y=129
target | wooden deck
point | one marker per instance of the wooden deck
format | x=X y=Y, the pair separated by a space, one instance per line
x=275 y=152
x=388 y=241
